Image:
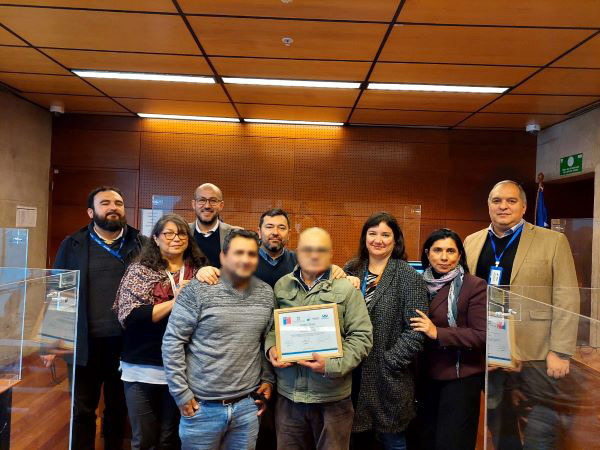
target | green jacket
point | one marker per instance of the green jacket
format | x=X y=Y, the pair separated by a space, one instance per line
x=302 y=385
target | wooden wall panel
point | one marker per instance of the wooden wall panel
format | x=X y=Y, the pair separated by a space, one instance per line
x=326 y=176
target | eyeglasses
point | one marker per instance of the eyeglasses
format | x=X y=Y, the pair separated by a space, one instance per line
x=170 y=235
x=211 y=201
x=320 y=251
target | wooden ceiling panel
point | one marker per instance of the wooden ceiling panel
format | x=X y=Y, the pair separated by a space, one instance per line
x=95 y=30
x=479 y=45
x=374 y=10
x=120 y=5
x=449 y=74
x=133 y=62
x=406 y=118
x=563 y=81
x=293 y=112
x=262 y=37
x=160 y=90
x=52 y=84
x=544 y=104
x=435 y=101
x=26 y=59
x=7 y=38
x=76 y=103
x=292 y=95
x=588 y=55
x=153 y=106
x=550 y=13
x=518 y=121
x=291 y=69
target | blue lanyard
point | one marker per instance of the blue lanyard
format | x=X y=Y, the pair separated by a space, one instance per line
x=112 y=251
x=363 y=287
x=512 y=239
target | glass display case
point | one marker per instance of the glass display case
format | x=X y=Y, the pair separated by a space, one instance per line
x=38 y=316
x=543 y=368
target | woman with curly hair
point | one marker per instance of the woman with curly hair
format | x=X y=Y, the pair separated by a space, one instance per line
x=168 y=260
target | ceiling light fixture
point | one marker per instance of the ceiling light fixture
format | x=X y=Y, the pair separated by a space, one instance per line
x=180 y=117
x=292 y=83
x=436 y=88
x=142 y=76
x=294 y=122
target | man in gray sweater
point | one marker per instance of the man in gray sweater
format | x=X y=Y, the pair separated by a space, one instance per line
x=212 y=351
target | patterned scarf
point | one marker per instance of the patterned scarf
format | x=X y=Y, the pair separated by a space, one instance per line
x=455 y=277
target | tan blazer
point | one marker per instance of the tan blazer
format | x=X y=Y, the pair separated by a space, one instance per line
x=543 y=274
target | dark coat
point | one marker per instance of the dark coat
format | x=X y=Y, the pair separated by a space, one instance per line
x=73 y=254
x=468 y=337
x=387 y=389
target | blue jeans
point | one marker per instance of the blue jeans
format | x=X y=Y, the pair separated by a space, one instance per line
x=392 y=441
x=217 y=426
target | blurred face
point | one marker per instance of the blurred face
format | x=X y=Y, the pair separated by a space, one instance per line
x=443 y=255
x=506 y=206
x=241 y=260
x=380 y=240
x=207 y=205
x=109 y=211
x=314 y=251
x=171 y=241
x=274 y=233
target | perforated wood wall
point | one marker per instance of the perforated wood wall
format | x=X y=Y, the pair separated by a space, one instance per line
x=326 y=176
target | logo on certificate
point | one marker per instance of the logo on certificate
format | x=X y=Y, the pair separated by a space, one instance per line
x=287 y=320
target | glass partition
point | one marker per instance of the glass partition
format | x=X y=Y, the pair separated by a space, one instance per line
x=543 y=369
x=13 y=247
x=38 y=316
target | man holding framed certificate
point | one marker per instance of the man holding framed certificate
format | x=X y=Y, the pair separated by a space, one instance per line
x=322 y=332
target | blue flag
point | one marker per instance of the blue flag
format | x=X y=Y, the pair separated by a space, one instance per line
x=541 y=213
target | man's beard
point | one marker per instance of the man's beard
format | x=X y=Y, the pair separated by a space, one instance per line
x=110 y=225
x=274 y=247
x=208 y=222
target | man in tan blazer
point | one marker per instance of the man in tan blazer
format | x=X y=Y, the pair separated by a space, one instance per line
x=538 y=265
x=542 y=270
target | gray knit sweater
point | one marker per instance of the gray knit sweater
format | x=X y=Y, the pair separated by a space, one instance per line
x=212 y=346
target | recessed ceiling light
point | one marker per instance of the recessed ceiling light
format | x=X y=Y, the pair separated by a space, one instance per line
x=293 y=83
x=294 y=122
x=436 y=88
x=180 y=117
x=142 y=76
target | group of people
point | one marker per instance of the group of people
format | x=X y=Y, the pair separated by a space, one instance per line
x=178 y=328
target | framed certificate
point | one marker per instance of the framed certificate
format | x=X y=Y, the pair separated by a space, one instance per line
x=305 y=330
x=500 y=342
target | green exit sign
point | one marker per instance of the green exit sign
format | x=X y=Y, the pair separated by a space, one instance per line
x=571 y=164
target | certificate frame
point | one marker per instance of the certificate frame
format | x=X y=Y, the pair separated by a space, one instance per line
x=505 y=356
x=298 y=312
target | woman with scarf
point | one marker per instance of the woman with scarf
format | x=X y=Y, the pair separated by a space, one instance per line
x=168 y=260
x=454 y=358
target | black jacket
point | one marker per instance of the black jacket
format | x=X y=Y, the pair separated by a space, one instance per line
x=385 y=401
x=73 y=254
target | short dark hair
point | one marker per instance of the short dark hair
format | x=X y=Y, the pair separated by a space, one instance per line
x=444 y=233
x=92 y=194
x=239 y=232
x=273 y=213
x=362 y=255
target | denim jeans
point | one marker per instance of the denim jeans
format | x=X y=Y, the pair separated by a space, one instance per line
x=217 y=426
x=392 y=441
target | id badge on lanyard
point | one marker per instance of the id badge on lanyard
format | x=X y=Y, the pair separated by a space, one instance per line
x=495 y=275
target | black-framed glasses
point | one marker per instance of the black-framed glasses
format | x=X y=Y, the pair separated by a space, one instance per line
x=211 y=201
x=170 y=235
